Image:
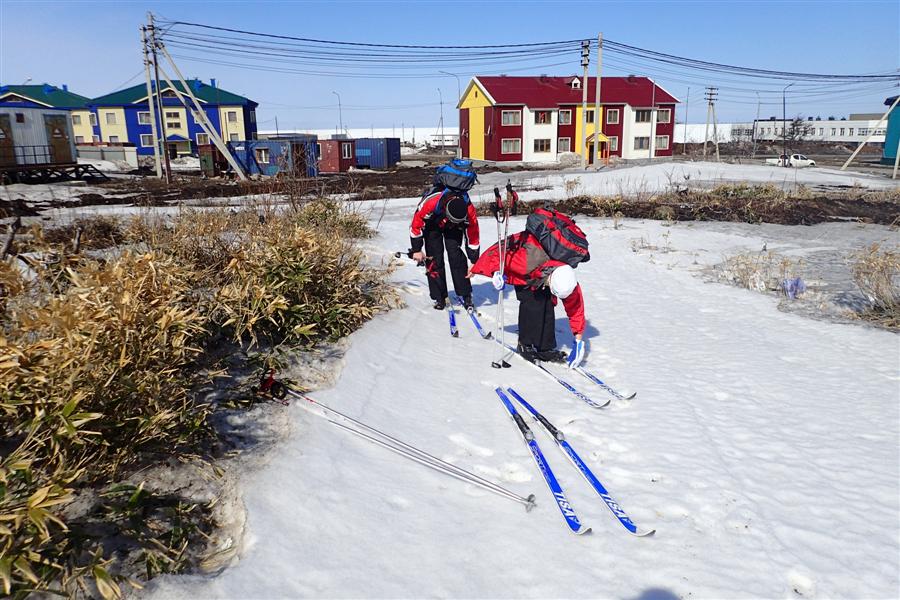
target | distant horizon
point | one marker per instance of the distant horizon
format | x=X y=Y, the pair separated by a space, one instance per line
x=69 y=53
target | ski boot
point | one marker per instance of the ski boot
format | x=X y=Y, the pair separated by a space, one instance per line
x=529 y=353
x=556 y=356
x=468 y=304
x=440 y=304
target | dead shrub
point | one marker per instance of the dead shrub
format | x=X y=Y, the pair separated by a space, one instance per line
x=758 y=271
x=876 y=271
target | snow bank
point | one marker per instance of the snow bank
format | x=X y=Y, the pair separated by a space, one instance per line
x=762 y=446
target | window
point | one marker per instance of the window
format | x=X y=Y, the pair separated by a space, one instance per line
x=589 y=116
x=233 y=137
x=202 y=139
x=95 y=138
x=662 y=142
x=850 y=132
x=564 y=145
x=76 y=119
x=642 y=143
x=318 y=150
x=511 y=117
x=262 y=155
x=110 y=118
x=642 y=116
x=543 y=117
x=146 y=140
x=842 y=131
x=612 y=116
x=511 y=146
x=821 y=131
x=113 y=139
x=576 y=84
x=565 y=117
x=79 y=139
x=879 y=132
x=614 y=144
x=863 y=131
x=253 y=116
x=173 y=124
x=92 y=118
x=542 y=145
x=232 y=116
x=663 y=115
x=20 y=117
x=346 y=150
x=171 y=115
x=833 y=131
x=144 y=118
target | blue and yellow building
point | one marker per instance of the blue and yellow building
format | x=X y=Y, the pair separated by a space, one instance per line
x=124 y=116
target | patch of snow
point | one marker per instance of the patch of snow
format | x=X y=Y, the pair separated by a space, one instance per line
x=762 y=447
x=107 y=166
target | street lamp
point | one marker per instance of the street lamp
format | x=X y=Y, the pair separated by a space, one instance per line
x=340 y=113
x=458 y=87
x=784 y=122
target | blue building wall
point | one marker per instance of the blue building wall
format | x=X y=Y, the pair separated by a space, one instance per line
x=892 y=135
x=280 y=155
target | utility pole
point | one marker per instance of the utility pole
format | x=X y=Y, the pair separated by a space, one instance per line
x=340 y=111
x=151 y=104
x=598 y=122
x=784 y=123
x=653 y=117
x=687 y=107
x=277 y=134
x=158 y=98
x=441 y=122
x=585 y=61
x=710 y=95
x=755 y=123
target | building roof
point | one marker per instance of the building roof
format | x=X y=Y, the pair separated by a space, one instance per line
x=46 y=94
x=549 y=92
x=203 y=91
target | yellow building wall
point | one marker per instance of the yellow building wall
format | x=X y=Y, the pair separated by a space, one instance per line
x=592 y=128
x=117 y=129
x=476 y=102
x=180 y=121
x=83 y=129
x=231 y=127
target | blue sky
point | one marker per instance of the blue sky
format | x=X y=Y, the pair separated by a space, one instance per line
x=94 y=47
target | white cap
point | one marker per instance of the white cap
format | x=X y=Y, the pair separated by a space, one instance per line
x=563 y=281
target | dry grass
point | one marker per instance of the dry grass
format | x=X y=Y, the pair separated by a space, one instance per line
x=758 y=271
x=876 y=271
x=99 y=359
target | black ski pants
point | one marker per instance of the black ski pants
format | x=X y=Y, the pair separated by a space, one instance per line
x=536 y=318
x=436 y=240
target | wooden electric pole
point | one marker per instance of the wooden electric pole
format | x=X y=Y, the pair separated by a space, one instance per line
x=585 y=60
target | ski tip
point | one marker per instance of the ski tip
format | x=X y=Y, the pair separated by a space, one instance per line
x=489 y=336
x=582 y=531
x=597 y=405
x=632 y=396
x=644 y=532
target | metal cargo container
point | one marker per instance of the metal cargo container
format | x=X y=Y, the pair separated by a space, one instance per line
x=35 y=136
x=377 y=153
x=271 y=157
x=336 y=156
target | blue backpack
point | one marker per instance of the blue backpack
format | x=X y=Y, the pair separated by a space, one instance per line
x=458 y=175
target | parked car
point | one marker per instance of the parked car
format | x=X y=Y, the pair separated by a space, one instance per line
x=794 y=160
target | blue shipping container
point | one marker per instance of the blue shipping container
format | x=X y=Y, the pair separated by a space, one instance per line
x=377 y=153
x=295 y=156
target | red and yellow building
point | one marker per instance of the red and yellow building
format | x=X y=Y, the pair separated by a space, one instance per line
x=536 y=119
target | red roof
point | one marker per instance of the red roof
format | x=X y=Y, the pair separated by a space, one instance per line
x=549 y=92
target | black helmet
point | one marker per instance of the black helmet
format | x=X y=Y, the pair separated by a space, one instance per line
x=456 y=209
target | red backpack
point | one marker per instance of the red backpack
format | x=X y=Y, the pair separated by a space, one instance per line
x=559 y=236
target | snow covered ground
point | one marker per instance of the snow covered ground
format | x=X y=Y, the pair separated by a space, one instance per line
x=762 y=446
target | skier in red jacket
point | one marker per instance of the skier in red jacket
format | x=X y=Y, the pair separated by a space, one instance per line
x=539 y=281
x=441 y=221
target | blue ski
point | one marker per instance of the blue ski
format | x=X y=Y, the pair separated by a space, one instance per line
x=484 y=334
x=452 y=316
x=561 y=501
x=606 y=387
x=569 y=387
x=557 y=435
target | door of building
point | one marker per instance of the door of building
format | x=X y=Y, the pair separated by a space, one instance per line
x=57 y=127
x=7 y=151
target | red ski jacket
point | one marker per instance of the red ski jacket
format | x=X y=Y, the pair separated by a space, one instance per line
x=425 y=216
x=528 y=264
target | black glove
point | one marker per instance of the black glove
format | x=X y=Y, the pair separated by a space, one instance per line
x=415 y=244
x=473 y=254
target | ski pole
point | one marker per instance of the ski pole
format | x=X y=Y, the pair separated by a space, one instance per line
x=422 y=456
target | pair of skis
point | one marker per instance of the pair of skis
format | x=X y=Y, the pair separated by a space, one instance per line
x=559 y=496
